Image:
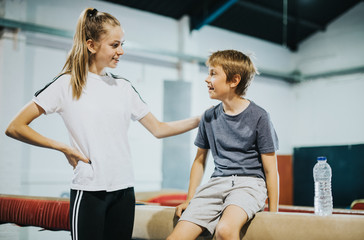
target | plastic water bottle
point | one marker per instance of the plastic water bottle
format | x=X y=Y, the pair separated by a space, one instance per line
x=323 y=197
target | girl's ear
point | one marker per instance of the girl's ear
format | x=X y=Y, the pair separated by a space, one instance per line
x=91 y=46
x=235 y=81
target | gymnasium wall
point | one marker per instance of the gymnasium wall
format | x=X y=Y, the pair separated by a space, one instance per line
x=304 y=114
x=347 y=164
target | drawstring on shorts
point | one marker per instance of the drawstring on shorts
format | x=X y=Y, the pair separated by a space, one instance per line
x=233 y=180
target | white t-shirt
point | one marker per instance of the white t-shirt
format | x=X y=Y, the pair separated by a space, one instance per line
x=97 y=124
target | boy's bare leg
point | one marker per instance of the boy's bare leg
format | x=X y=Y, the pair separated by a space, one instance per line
x=185 y=230
x=231 y=222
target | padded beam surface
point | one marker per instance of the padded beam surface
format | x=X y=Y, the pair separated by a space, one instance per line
x=156 y=222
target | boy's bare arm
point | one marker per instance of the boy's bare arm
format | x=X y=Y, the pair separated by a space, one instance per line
x=197 y=171
x=272 y=179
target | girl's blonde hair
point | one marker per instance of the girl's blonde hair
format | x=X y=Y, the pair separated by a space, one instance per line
x=234 y=62
x=91 y=25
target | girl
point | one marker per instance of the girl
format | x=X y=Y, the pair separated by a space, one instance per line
x=96 y=108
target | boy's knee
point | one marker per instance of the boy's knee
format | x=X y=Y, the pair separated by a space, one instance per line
x=224 y=231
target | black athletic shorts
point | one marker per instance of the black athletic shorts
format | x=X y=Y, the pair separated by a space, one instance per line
x=102 y=215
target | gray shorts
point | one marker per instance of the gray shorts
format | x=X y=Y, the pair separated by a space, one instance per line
x=212 y=198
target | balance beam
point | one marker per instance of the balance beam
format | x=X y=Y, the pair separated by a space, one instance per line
x=157 y=222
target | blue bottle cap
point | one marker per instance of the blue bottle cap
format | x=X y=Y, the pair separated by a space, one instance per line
x=321 y=158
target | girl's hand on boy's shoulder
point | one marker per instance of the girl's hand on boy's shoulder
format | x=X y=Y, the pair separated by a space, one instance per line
x=180 y=208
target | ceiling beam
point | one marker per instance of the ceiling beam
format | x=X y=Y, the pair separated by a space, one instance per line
x=31 y=27
x=292 y=77
x=278 y=14
x=212 y=15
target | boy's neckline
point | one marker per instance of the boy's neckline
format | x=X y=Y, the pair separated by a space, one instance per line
x=245 y=104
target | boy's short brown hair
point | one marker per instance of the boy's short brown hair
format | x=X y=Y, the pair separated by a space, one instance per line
x=234 y=62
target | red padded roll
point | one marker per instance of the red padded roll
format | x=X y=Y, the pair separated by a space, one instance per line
x=48 y=213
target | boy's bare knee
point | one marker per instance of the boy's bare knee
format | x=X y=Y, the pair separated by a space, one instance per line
x=224 y=231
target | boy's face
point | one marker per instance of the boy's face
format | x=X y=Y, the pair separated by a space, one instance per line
x=216 y=83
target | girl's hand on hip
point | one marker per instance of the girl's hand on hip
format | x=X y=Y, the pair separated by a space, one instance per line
x=73 y=156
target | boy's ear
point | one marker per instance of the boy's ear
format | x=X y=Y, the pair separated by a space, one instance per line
x=91 y=45
x=235 y=81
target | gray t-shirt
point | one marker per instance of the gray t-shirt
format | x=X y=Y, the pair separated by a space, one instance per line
x=236 y=142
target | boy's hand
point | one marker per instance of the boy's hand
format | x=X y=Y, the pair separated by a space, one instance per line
x=180 y=208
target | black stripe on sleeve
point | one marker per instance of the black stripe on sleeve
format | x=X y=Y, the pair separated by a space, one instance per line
x=119 y=77
x=45 y=87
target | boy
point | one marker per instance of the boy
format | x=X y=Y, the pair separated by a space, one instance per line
x=243 y=144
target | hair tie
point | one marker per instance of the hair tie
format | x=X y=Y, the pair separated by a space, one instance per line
x=92 y=13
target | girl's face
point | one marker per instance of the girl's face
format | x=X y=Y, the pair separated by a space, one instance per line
x=108 y=50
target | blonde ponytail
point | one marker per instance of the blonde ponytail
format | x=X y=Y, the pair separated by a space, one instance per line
x=90 y=25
